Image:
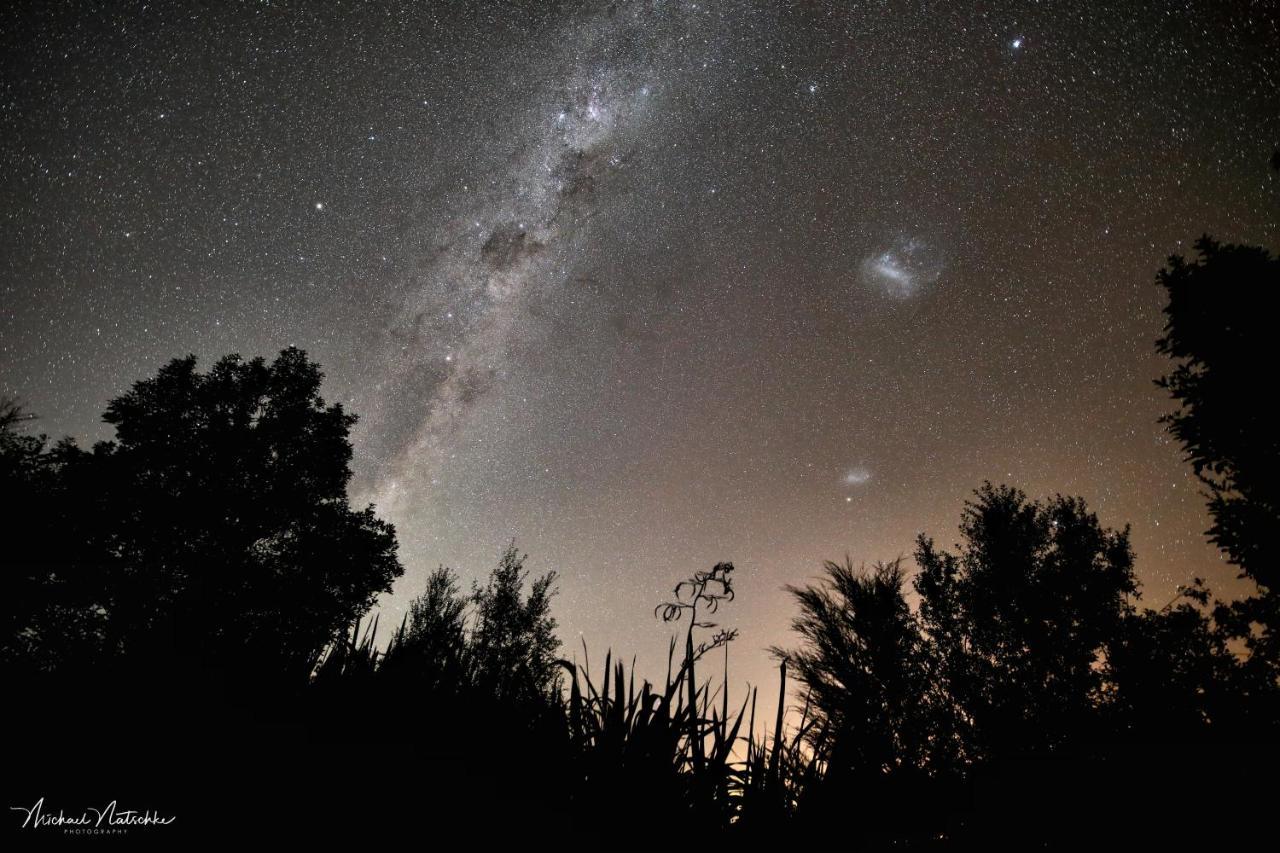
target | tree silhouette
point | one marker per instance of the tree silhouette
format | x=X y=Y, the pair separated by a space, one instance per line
x=214 y=531
x=12 y=413
x=1218 y=331
x=212 y=543
x=432 y=647
x=513 y=647
x=1172 y=676
x=1021 y=616
x=52 y=591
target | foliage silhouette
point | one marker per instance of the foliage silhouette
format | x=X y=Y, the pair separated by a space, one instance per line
x=1218 y=332
x=1171 y=675
x=706 y=590
x=213 y=532
x=12 y=413
x=669 y=750
x=877 y=727
x=1027 y=685
x=864 y=665
x=513 y=648
x=1015 y=689
x=1020 y=618
x=432 y=644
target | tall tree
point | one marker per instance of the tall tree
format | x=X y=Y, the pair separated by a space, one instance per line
x=431 y=649
x=513 y=646
x=215 y=531
x=1172 y=676
x=1218 y=331
x=1218 y=334
x=51 y=612
x=1020 y=617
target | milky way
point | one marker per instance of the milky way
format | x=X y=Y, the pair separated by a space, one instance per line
x=649 y=286
x=514 y=248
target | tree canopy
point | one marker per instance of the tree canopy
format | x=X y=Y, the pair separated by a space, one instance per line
x=1219 y=315
x=213 y=531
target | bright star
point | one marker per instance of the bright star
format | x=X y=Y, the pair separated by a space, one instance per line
x=319 y=205
x=1017 y=43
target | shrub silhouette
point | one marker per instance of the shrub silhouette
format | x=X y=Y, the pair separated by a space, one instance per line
x=863 y=663
x=878 y=725
x=666 y=750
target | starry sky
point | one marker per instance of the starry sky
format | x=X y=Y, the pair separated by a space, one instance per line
x=648 y=286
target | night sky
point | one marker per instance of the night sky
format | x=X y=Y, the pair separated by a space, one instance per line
x=650 y=286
